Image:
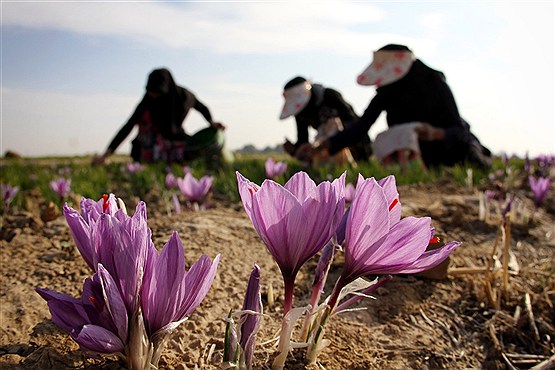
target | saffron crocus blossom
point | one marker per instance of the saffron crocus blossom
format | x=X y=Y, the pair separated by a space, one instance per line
x=98 y=321
x=8 y=193
x=349 y=192
x=195 y=190
x=104 y=234
x=134 y=167
x=61 y=186
x=171 y=181
x=274 y=169
x=540 y=188
x=377 y=241
x=170 y=293
x=295 y=221
x=137 y=295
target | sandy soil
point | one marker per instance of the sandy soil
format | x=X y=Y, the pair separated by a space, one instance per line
x=414 y=323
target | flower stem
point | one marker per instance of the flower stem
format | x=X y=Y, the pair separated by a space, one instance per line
x=288 y=299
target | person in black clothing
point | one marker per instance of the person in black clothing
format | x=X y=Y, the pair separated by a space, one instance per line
x=160 y=116
x=323 y=109
x=409 y=91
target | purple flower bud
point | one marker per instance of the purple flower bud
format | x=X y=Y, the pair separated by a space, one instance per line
x=251 y=321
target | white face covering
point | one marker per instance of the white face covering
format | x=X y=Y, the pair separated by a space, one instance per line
x=387 y=67
x=296 y=98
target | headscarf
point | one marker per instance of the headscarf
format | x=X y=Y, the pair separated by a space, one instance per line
x=168 y=107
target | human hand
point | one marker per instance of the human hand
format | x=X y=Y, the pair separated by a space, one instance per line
x=98 y=160
x=427 y=132
x=289 y=147
x=217 y=125
x=305 y=152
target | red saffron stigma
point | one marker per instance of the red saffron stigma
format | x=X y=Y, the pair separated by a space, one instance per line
x=434 y=240
x=393 y=204
x=94 y=302
x=105 y=204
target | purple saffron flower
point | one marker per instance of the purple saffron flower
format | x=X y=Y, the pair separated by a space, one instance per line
x=171 y=181
x=349 y=192
x=377 y=241
x=91 y=209
x=274 y=169
x=134 y=167
x=8 y=193
x=195 y=190
x=540 y=188
x=117 y=241
x=98 y=321
x=137 y=296
x=170 y=293
x=61 y=186
x=295 y=221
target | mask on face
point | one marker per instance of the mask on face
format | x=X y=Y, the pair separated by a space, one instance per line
x=296 y=99
x=387 y=67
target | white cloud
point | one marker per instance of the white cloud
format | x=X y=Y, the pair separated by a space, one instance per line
x=222 y=27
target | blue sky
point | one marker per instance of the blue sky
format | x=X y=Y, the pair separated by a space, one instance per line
x=72 y=72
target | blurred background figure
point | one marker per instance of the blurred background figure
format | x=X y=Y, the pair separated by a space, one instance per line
x=159 y=117
x=420 y=107
x=325 y=110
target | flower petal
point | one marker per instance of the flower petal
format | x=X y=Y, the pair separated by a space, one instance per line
x=431 y=258
x=80 y=231
x=247 y=189
x=67 y=312
x=98 y=339
x=368 y=220
x=403 y=245
x=392 y=196
x=300 y=185
x=114 y=302
x=162 y=284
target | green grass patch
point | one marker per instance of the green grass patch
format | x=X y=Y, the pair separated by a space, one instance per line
x=33 y=176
